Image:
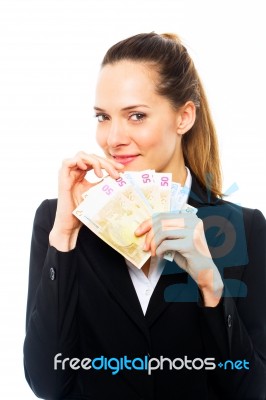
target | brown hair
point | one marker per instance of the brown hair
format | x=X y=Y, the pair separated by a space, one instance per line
x=179 y=82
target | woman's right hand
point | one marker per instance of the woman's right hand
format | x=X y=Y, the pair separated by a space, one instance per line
x=71 y=185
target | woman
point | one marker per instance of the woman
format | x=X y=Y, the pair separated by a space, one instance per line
x=94 y=330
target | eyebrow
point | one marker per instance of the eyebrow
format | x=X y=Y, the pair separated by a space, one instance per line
x=124 y=108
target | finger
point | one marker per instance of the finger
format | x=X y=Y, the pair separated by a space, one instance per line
x=162 y=222
x=111 y=166
x=149 y=244
x=155 y=237
x=169 y=224
x=111 y=161
x=162 y=229
x=172 y=235
x=86 y=162
x=181 y=261
x=144 y=227
x=157 y=222
x=150 y=239
x=172 y=238
x=101 y=163
x=173 y=219
x=82 y=165
x=179 y=258
x=95 y=165
x=68 y=167
x=179 y=245
x=73 y=165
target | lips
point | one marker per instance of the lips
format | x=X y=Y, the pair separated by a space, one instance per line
x=126 y=159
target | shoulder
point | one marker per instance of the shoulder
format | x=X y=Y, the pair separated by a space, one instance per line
x=45 y=214
x=249 y=226
x=233 y=232
x=252 y=217
x=47 y=205
x=208 y=205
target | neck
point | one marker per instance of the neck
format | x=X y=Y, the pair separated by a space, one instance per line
x=180 y=175
x=177 y=166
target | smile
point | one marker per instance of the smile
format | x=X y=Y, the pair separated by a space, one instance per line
x=125 y=159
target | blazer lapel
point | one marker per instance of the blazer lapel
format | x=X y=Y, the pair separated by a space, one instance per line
x=112 y=270
x=171 y=288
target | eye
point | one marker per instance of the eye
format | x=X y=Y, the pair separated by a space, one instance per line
x=137 y=117
x=102 y=117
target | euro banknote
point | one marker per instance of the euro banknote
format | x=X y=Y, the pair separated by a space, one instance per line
x=113 y=209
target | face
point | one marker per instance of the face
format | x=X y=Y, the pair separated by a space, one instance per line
x=136 y=126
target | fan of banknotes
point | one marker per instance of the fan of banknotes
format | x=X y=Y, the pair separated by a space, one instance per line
x=114 y=208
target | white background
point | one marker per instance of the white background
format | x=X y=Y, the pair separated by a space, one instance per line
x=50 y=52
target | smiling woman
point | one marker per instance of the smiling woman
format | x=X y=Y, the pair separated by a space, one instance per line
x=87 y=302
x=138 y=127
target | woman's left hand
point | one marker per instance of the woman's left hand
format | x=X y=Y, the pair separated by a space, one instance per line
x=184 y=234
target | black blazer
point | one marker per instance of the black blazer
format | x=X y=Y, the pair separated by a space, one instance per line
x=83 y=304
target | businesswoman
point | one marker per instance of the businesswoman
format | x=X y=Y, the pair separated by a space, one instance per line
x=199 y=322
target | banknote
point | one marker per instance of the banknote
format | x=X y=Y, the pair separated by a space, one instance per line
x=179 y=195
x=144 y=184
x=163 y=181
x=113 y=210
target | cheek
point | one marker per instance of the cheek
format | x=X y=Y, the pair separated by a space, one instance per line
x=100 y=138
x=149 y=138
x=159 y=137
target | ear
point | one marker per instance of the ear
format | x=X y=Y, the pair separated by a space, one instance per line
x=186 y=117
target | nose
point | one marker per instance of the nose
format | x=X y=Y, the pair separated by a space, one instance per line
x=117 y=135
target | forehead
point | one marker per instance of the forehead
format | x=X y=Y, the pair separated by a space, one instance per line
x=126 y=81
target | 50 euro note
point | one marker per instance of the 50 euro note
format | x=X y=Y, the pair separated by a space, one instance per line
x=163 y=181
x=154 y=187
x=179 y=206
x=144 y=184
x=113 y=210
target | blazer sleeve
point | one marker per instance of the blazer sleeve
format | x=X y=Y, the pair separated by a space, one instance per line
x=236 y=328
x=51 y=325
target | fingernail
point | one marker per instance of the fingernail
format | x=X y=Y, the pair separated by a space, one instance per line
x=144 y=248
x=137 y=231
